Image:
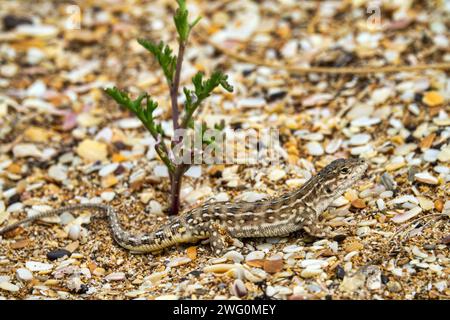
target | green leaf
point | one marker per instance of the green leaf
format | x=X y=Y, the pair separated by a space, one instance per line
x=121 y=97
x=188 y=94
x=203 y=89
x=163 y=55
x=151 y=105
x=220 y=126
x=181 y=21
x=192 y=24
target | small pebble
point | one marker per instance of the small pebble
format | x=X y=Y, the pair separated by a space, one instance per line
x=273 y=265
x=58 y=253
x=91 y=150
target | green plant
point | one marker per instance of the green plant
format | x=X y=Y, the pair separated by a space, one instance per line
x=144 y=105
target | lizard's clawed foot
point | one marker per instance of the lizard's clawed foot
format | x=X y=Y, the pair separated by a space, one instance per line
x=318 y=231
x=219 y=239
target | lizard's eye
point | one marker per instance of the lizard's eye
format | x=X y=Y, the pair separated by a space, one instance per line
x=345 y=170
x=328 y=190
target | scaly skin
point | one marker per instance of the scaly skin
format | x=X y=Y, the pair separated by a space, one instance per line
x=223 y=221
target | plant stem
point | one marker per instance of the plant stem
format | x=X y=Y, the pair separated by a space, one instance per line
x=175 y=85
x=176 y=175
x=175 y=186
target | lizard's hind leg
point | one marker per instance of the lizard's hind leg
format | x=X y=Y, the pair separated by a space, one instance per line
x=219 y=239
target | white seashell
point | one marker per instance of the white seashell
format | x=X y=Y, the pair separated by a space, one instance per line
x=219 y=268
x=365 y=122
x=155 y=207
x=9 y=287
x=108 y=169
x=380 y=204
x=292 y=248
x=380 y=95
x=276 y=174
x=108 y=195
x=360 y=110
x=161 y=171
x=238 y=288
x=403 y=199
x=24 y=274
x=418 y=253
x=256 y=275
x=264 y=247
x=74 y=232
x=37 y=30
x=444 y=155
x=37 y=89
x=425 y=203
x=311 y=263
x=339 y=202
x=26 y=150
x=426 y=177
x=255 y=255
x=359 y=139
x=310 y=273
x=442 y=169
x=431 y=155
x=333 y=146
x=234 y=256
x=295 y=183
x=290 y=49
x=350 y=255
x=221 y=197
x=361 y=150
x=115 y=276
x=58 y=172
x=386 y=194
x=179 y=261
x=251 y=196
x=197 y=194
x=129 y=123
x=38 y=266
x=194 y=172
x=251 y=103
x=405 y=216
x=15 y=207
x=168 y=297
x=314 y=148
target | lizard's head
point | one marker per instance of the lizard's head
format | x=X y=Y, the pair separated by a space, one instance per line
x=336 y=178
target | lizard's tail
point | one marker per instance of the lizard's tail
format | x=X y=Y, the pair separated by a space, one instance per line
x=56 y=212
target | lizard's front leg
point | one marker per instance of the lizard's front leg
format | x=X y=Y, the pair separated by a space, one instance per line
x=219 y=239
x=316 y=229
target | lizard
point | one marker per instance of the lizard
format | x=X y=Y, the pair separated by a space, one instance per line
x=222 y=222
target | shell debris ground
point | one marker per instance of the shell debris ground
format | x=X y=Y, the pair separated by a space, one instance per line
x=63 y=141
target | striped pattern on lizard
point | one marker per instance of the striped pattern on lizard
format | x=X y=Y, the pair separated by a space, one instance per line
x=222 y=221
